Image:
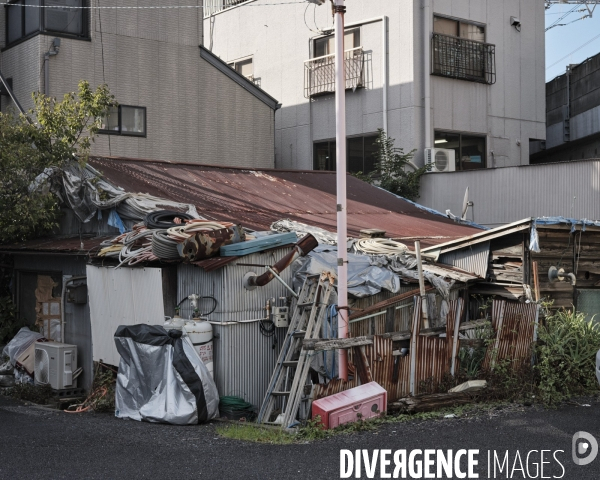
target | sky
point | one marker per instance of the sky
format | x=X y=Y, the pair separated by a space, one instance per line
x=563 y=43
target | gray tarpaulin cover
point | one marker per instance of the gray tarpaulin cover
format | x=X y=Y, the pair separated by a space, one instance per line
x=161 y=378
x=364 y=279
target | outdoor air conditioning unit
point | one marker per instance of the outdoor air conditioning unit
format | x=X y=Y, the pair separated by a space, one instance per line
x=56 y=365
x=442 y=159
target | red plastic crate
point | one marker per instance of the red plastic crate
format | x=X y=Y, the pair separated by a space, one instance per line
x=365 y=401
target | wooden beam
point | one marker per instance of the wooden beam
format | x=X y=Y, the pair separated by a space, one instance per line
x=387 y=303
x=321 y=344
x=361 y=362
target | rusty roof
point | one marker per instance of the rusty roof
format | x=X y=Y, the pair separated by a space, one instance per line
x=71 y=244
x=256 y=198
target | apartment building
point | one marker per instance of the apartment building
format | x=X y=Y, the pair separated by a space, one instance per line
x=176 y=101
x=465 y=76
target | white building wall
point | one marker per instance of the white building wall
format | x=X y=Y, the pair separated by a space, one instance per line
x=279 y=39
x=151 y=58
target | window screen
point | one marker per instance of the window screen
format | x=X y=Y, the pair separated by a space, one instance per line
x=588 y=302
x=133 y=120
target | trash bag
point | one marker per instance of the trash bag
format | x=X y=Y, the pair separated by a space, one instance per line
x=23 y=339
x=162 y=378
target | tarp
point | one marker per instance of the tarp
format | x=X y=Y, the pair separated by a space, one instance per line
x=161 y=378
x=534 y=241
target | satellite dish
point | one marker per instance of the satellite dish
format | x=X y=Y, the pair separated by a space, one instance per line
x=466 y=205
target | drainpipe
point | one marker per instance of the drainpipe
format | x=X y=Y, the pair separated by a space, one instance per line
x=302 y=248
x=62 y=304
x=54 y=48
x=384 y=72
x=426 y=69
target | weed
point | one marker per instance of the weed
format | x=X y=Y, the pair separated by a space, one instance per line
x=251 y=432
x=30 y=393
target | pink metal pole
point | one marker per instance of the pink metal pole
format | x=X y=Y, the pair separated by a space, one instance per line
x=340 y=136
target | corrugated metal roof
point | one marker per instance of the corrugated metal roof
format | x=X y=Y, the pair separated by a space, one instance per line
x=70 y=244
x=257 y=198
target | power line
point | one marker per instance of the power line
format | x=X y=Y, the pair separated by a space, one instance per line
x=556 y=22
x=161 y=7
x=576 y=50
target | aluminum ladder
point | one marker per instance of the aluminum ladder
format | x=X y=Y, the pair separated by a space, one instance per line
x=289 y=376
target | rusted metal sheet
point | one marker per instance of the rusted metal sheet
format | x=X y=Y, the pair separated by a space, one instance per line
x=257 y=198
x=515 y=325
x=72 y=244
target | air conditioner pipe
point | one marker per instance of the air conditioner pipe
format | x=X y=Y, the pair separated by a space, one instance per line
x=63 y=301
x=302 y=248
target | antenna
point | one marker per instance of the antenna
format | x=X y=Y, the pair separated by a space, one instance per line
x=466 y=205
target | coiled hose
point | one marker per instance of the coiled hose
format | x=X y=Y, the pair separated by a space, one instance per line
x=235 y=408
x=380 y=246
x=183 y=232
x=163 y=219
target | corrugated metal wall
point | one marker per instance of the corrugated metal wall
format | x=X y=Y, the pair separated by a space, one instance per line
x=244 y=359
x=77 y=317
x=505 y=195
x=473 y=259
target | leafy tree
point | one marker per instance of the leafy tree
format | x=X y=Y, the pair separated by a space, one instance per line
x=32 y=152
x=393 y=171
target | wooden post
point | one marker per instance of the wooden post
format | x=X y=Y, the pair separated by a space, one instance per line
x=536 y=281
x=422 y=284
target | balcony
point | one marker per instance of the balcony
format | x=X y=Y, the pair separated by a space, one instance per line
x=319 y=73
x=215 y=6
x=463 y=59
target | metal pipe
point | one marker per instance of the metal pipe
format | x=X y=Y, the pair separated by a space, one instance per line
x=422 y=284
x=47 y=74
x=12 y=96
x=384 y=72
x=304 y=246
x=62 y=304
x=340 y=136
x=426 y=70
x=290 y=289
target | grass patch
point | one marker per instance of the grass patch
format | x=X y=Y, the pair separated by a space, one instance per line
x=251 y=432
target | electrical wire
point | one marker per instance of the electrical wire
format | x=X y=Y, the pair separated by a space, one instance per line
x=215 y=303
x=380 y=246
x=158 y=7
x=163 y=219
x=574 y=51
x=163 y=246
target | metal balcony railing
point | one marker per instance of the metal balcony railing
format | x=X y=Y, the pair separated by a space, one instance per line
x=214 y=6
x=319 y=73
x=464 y=59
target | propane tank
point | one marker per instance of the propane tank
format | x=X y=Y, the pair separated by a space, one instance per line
x=201 y=335
x=175 y=323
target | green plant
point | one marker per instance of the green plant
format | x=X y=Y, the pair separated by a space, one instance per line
x=566 y=355
x=31 y=393
x=9 y=323
x=252 y=432
x=394 y=171
x=34 y=152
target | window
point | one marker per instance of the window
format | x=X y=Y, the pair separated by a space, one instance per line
x=460 y=51
x=24 y=22
x=319 y=71
x=244 y=67
x=125 y=120
x=326 y=45
x=360 y=155
x=470 y=149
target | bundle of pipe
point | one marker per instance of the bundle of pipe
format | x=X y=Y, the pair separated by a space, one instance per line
x=164 y=219
x=183 y=232
x=163 y=246
x=380 y=246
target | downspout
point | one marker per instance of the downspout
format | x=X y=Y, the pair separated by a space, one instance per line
x=54 y=49
x=384 y=71
x=426 y=69
x=62 y=304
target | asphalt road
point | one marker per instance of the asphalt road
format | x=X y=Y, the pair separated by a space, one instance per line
x=40 y=443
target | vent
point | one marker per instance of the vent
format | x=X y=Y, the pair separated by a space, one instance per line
x=441 y=159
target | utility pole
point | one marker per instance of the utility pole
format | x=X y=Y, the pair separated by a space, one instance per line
x=340 y=138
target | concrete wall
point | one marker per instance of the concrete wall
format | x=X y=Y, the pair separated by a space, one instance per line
x=504 y=195
x=279 y=39
x=150 y=58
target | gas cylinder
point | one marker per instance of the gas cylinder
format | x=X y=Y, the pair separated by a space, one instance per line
x=201 y=335
x=175 y=323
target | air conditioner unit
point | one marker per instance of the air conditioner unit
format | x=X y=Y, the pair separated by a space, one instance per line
x=56 y=365
x=442 y=159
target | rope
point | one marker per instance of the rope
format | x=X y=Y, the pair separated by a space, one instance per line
x=380 y=246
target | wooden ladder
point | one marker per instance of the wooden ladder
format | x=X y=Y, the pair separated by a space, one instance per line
x=290 y=374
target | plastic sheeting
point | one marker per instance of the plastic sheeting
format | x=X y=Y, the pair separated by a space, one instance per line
x=323 y=236
x=161 y=378
x=86 y=192
x=21 y=342
x=534 y=240
x=364 y=279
